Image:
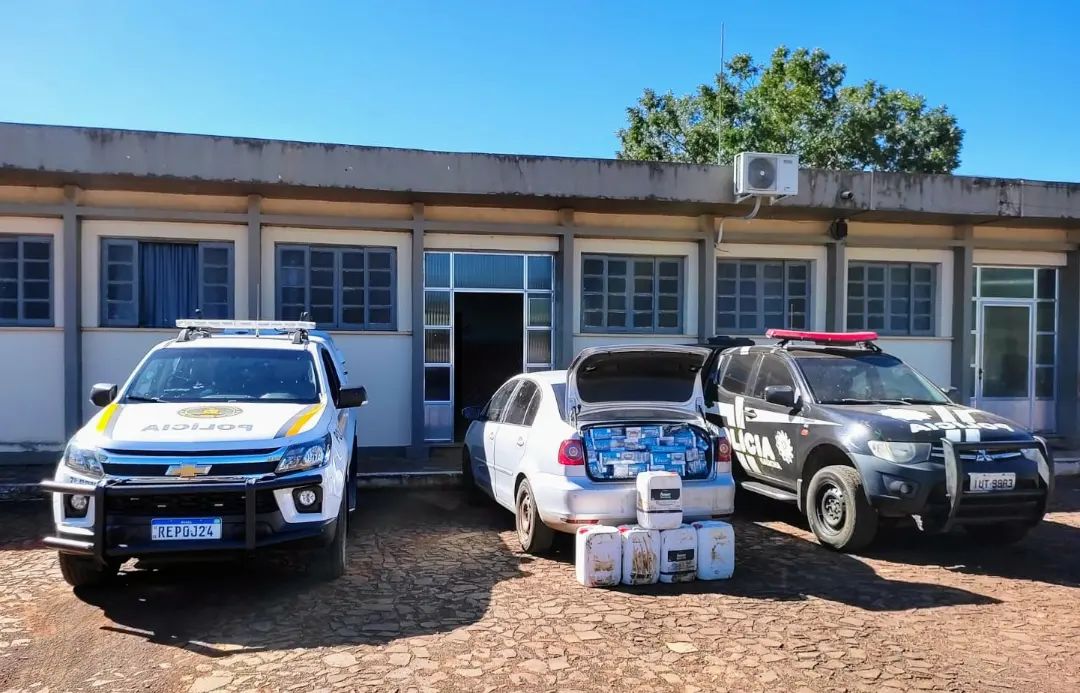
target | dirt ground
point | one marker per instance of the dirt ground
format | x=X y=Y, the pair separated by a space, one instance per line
x=438 y=597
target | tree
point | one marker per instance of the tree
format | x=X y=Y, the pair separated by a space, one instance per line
x=796 y=104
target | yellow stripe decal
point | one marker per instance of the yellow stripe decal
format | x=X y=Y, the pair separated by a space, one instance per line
x=105 y=416
x=306 y=416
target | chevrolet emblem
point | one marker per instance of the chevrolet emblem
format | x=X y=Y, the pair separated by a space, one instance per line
x=187 y=470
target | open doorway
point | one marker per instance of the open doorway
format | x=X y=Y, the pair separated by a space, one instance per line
x=488 y=347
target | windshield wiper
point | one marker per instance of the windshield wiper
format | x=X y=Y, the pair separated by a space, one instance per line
x=916 y=400
x=143 y=398
x=852 y=400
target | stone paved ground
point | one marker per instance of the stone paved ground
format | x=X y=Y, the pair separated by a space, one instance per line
x=439 y=598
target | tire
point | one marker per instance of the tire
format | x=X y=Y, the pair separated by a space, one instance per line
x=837 y=509
x=534 y=535
x=79 y=571
x=473 y=494
x=330 y=561
x=1001 y=534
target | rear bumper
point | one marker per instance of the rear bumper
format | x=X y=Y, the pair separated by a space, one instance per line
x=941 y=496
x=565 y=503
x=127 y=535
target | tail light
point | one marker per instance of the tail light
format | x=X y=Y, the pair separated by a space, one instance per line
x=723 y=455
x=572 y=453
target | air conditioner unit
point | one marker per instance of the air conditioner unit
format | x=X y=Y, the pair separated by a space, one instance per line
x=766 y=175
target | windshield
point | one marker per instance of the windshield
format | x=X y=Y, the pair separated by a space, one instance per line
x=866 y=379
x=225 y=375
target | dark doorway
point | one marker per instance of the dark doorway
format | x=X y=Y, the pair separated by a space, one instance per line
x=488 y=348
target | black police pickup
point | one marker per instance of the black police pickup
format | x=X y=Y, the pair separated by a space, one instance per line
x=855 y=436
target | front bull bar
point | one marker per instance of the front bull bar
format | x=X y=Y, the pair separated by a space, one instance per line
x=133 y=487
x=956 y=471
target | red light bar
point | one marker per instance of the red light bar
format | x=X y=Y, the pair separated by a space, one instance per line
x=822 y=337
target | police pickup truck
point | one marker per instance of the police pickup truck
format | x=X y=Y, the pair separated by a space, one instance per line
x=234 y=437
x=855 y=436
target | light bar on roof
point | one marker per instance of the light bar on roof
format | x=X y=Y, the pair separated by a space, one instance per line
x=822 y=337
x=247 y=324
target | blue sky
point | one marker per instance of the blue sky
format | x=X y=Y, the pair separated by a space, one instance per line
x=548 y=77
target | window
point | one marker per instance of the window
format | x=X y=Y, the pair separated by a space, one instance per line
x=891 y=297
x=497 y=405
x=754 y=296
x=631 y=293
x=772 y=371
x=226 y=375
x=26 y=280
x=866 y=378
x=151 y=284
x=340 y=287
x=737 y=374
x=518 y=413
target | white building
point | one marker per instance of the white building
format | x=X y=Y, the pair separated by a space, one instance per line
x=441 y=274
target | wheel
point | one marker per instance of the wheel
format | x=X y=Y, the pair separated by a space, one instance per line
x=534 y=535
x=1000 y=534
x=329 y=563
x=838 y=511
x=473 y=494
x=79 y=571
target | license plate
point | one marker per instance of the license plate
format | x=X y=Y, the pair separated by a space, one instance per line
x=1005 y=481
x=184 y=529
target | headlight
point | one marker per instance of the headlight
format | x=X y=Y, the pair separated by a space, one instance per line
x=1033 y=454
x=306 y=456
x=84 y=460
x=898 y=452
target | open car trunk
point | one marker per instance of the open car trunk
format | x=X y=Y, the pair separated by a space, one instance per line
x=640 y=408
x=619 y=451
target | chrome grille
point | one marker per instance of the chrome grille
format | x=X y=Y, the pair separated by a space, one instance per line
x=937 y=454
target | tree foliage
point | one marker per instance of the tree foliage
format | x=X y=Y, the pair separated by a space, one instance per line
x=796 y=104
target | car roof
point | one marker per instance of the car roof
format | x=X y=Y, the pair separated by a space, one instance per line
x=548 y=377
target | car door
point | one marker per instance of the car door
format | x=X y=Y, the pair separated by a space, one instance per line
x=734 y=382
x=771 y=430
x=482 y=444
x=512 y=439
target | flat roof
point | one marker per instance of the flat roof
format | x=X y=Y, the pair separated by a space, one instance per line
x=97 y=158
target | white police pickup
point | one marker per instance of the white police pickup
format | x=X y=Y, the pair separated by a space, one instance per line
x=234 y=437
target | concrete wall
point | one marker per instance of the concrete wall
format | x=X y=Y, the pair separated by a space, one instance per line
x=32 y=358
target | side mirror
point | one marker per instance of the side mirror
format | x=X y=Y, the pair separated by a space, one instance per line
x=102 y=393
x=953 y=393
x=349 y=397
x=780 y=395
x=473 y=413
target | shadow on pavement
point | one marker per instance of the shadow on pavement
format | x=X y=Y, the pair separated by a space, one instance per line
x=23 y=524
x=419 y=563
x=1049 y=554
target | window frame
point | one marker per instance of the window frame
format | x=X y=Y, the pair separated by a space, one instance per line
x=339 y=251
x=629 y=294
x=786 y=264
x=888 y=297
x=201 y=246
x=751 y=375
x=525 y=422
x=20 y=319
x=758 y=371
x=512 y=386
